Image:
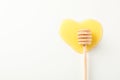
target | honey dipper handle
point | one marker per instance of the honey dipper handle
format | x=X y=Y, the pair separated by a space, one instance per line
x=85 y=62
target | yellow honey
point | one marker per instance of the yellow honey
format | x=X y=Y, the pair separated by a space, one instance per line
x=69 y=29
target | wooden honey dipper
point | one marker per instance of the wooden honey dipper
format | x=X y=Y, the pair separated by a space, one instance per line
x=85 y=39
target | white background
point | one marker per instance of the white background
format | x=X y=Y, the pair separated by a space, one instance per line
x=31 y=48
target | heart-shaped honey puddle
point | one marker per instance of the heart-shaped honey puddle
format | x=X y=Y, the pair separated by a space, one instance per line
x=70 y=28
